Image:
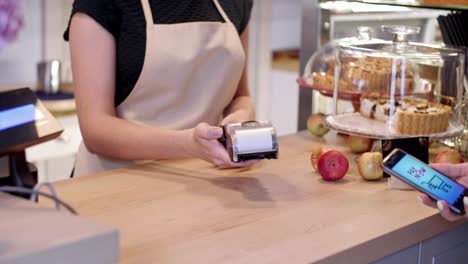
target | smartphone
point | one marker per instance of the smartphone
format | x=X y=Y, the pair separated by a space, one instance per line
x=418 y=174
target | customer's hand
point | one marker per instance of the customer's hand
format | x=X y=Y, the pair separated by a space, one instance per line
x=459 y=173
x=207 y=147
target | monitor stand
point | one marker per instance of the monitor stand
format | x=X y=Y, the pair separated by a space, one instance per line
x=22 y=173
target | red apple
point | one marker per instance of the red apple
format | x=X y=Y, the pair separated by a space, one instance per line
x=316 y=154
x=370 y=166
x=316 y=126
x=359 y=144
x=448 y=156
x=332 y=165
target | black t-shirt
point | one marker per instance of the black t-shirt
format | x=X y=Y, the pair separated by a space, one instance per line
x=125 y=20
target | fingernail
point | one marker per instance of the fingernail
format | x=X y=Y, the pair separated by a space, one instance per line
x=419 y=199
x=465 y=200
x=440 y=205
x=215 y=132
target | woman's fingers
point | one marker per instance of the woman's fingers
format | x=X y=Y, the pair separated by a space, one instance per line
x=451 y=170
x=465 y=204
x=250 y=163
x=427 y=200
x=445 y=211
x=207 y=132
x=443 y=207
x=225 y=162
x=211 y=150
x=244 y=164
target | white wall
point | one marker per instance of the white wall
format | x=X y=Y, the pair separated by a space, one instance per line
x=57 y=14
x=284 y=101
x=18 y=60
x=41 y=38
x=286 y=24
x=276 y=25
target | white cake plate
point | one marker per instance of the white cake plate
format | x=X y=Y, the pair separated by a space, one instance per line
x=355 y=123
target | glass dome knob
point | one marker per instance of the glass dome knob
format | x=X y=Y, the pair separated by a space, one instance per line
x=401 y=32
x=363 y=33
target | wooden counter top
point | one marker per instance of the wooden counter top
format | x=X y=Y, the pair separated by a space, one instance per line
x=280 y=211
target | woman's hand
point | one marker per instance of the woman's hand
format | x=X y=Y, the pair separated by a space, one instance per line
x=459 y=173
x=238 y=116
x=207 y=147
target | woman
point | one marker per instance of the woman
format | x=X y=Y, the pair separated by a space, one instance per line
x=459 y=173
x=154 y=79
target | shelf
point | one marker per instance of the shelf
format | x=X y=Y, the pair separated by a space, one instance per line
x=415 y=4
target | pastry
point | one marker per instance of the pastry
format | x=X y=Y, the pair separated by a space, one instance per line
x=367 y=74
x=407 y=116
x=421 y=118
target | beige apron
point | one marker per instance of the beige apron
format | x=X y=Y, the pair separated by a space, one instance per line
x=190 y=74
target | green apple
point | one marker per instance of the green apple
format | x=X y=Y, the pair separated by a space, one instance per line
x=316 y=126
x=359 y=144
x=316 y=154
x=370 y=166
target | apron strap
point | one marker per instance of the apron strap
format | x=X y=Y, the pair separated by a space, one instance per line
x=221 y=11
x=148 y=13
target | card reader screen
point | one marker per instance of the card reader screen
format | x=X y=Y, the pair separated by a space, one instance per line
x=18 y=116
x=429 y=179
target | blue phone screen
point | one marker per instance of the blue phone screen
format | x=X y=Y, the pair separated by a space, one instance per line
x=17 y=116
x=428 y=179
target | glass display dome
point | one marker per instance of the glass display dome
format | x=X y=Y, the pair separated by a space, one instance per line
x=400 y=89
x=319 y=71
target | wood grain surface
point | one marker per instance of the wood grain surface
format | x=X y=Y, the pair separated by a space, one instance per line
x=279 y=211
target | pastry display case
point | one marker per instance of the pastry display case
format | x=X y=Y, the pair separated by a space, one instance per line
x=400 y=89
x=434 y=4
x=320 y=69
x=317 y=26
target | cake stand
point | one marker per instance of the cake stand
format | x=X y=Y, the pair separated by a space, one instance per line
x=355 y=123
x=353 y=96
